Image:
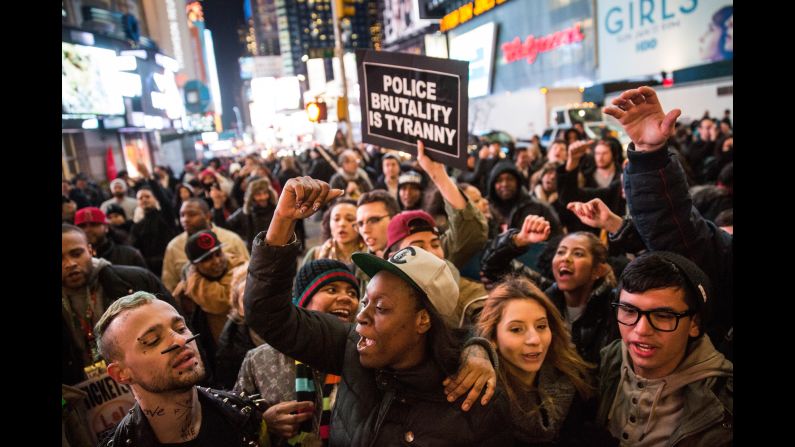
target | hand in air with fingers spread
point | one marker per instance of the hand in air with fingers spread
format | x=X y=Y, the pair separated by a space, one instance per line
x=640 y=113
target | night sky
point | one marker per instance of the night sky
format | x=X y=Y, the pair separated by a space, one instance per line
x=224 y=18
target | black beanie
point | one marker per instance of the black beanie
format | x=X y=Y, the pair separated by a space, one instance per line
x=697 y=279
x=316 y=274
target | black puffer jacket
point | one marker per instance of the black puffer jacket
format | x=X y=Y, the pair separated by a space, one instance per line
x=242 y=416
x=499 y=261
x=118 y=254
x=665 y=218
x=570 y=191
x=233 y=344
x=373 y=407
x=597 y=325
x=247 y=226
x=514 y=211
x=152 y=234
x=116 y=281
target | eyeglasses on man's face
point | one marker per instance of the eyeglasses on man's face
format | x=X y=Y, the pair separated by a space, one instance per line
x=660 y=319
x=370 y=221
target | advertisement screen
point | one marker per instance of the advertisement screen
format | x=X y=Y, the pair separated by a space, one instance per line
x=647 y=37
x=477 y=48
x=88 y=76
x=402 y=19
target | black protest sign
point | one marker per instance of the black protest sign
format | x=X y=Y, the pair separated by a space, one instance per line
x=406 y=98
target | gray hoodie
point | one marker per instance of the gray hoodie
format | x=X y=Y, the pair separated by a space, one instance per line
x=649 y=411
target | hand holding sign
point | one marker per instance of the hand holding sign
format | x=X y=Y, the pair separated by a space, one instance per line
x=409 y=97
x=434 y=169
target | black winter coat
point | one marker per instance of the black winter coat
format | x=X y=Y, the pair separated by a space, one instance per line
x=665 y=218
x=233 y=344
x=152 y=234
x=514 y=211
x=374 y=407
x=151 y=237
x=569 y=191
x=118 y=254
x=597 y=325
x=320 y=169
x=247 y=226
x=498 y=261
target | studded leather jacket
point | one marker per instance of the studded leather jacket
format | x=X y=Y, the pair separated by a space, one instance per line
x=238 y=409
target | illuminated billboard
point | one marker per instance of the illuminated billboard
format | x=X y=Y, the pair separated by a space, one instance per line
x=88 y=81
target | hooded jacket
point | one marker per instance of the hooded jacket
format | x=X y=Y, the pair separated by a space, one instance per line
x=249 y=219
x=691 y=406
x=109 y=282
x=522 y=204
x=118 y=254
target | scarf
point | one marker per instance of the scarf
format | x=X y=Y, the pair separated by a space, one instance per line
x=305 y=391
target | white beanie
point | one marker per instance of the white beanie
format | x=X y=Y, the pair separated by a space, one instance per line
x=120 y=182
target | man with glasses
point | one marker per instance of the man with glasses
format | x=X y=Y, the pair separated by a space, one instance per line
x=664 y=382
x=662 y=210
x=374 y=210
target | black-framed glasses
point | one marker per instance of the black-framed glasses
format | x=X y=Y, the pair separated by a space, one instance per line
x=661 y=320
x=371 y=221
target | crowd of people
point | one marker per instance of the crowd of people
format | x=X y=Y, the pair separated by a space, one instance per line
x=576 y=294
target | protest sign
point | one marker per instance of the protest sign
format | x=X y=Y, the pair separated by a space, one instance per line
x=406 y=98
x=107 y=402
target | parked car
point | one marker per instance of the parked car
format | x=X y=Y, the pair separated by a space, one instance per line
x=506 y=141
x=594 y=131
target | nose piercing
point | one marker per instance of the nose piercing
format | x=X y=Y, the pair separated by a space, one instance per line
x=176 y=346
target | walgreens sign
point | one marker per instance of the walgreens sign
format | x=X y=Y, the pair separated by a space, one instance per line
x=529 y=49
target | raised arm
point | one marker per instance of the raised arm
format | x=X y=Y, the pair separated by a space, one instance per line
x=469 y=229
x=315 y=338
x=660 y=205
x=656 y=186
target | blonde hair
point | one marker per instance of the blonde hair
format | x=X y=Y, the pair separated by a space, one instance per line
x=562 y=354
x=236 y=291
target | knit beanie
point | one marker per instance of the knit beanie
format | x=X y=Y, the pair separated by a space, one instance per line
x=315 y=274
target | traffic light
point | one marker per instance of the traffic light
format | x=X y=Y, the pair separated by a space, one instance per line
x=316 y=111
x=342 y=108
x=345 y=8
